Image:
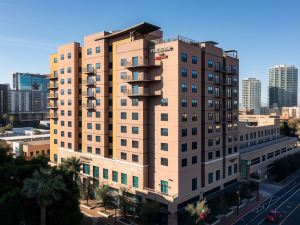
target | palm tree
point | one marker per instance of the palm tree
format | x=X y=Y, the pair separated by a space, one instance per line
x=72 y=165
x=12 y=119
x=199 y=212
x=45 y=187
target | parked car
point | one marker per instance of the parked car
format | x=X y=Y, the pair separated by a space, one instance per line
x=272 y=216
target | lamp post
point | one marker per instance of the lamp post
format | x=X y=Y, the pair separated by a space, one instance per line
x=238 y=202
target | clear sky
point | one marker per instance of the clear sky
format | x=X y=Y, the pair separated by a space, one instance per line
x=265 y=32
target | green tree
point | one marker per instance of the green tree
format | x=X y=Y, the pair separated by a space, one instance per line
x=12 y=119
x=45 y=188
x=86 y=189
x=149 y=212
x=102 y=194
x=5 y=117
x=124 y=203
x=73 y=166
x=198 y=211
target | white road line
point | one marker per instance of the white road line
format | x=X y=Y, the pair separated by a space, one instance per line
x=281 y=205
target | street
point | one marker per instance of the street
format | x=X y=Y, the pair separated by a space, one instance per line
x=286 y=201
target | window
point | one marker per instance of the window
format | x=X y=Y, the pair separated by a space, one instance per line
x=194 y=131
x=135 y=181
x=164 y=146
x=123 y=155
x=123 y=102
x=194 y=160
x=194 y=184
x=124 y=178
x=98 y=49
x=210 y=155
x=95 y=171
x=235 y=168
x=164 y=102
x=209 y=116
x=98 y=78
x=86 y=168
x=135 y=158
x=184 y=162
x=105 y=173
x=194 y=145
x=183 y=132
x=210 y=63
x=164 y=116
x=123 y=142
x=98 y=151
x=135 y=116
x=114 y=176
x=194 y=103
x=194 y=59
x=183 y=102
x=123 y=62
x=183 y=57
x=164 y=131
x=135 y=102
x=55 y=60
x=183 y=72
x=183 y=117
x=89 y=51
x=194 y=74
x=194 y=88
x=194 y=117
x=184 y=147
x=62 y=71
x=218 y=175
x=62 y=57
x=229 y=170
x=98 y=139
x=210 y=77
x=123 y=115
x=98 y=66
x=89 y=126
x=210 y=178
x=164 y=187
x=209 y=128
x=164 y=161
x=135 y=130
x=183 y=87
x=135 y=144
x=210 y=103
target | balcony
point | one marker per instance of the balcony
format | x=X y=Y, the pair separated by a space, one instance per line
x=89 y=82
x=52 y=76
x=88 y=70
x=52 y=115
x=142 y=63
x=52 y=95
x=89 y=94
x=135 y=92
x=53 y=86
x=89 y=106
x=52 y=105
x=141 y=77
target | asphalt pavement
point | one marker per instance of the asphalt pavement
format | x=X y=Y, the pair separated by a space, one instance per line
x=286 y=201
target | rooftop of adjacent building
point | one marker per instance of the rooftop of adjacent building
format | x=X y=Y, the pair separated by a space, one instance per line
x=25 y=137
x=37 y=142
x=282 y=66
x=258 y=120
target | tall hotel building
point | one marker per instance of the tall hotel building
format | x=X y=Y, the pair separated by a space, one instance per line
x=251 y=94
x=283 y=86
x=158 y=116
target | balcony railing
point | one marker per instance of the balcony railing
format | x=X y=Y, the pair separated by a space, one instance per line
x=88 y=70
x=142 y=92
x=52 y=105
x=142 y=63
x=141 y=78
x=90 y=82
x=53 y=86
x=52 y=115
x=52 y=95
x=89 y=94
x=89 y=105
x=52 y=76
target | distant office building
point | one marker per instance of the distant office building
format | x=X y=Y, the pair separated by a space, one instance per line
x=251 y=94
x=3 y=98
x=28 y=98
x=290 y=112
x=275 y=111
x=283 y=86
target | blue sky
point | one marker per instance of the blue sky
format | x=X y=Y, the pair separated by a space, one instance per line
x=265 y=32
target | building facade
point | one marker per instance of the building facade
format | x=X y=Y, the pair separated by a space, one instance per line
x=4 y=88
x=251 y=94
x=261 y=144
x=290 y=112
x=28 y=98
x=283 y=86
x=157 y=116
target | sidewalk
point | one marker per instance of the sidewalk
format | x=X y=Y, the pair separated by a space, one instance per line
x=243 y=211
x=102 y=220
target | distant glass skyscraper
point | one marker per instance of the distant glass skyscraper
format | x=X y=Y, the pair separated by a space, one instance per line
x=251 y=94
x=283 y=86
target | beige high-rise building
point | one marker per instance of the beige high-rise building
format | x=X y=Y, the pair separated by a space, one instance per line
x=251 y=94
x=157 y=116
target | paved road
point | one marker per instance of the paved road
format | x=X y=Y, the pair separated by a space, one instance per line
x=286 y=201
